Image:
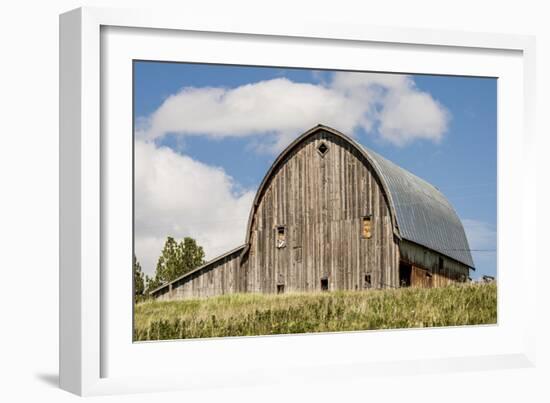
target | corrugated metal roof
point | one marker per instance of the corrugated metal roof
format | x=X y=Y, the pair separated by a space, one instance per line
x=423 y=213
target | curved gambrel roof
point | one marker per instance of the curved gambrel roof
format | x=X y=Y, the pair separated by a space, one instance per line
x=420 y=212
x=424 y=215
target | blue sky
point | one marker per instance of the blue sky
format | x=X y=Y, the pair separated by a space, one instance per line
x=441 y=128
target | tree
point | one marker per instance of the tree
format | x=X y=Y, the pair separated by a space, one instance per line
x=151 y=283
x=175 y=260
x=139 y=285
x=192 y=255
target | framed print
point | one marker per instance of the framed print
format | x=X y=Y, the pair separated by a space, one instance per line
x=242 y=203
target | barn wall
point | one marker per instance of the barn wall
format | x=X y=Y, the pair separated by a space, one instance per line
x=222 y=276
x=421 y=278
x=425 y=263
x=321 y=201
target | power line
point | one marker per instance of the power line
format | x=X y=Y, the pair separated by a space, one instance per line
x=470 y=250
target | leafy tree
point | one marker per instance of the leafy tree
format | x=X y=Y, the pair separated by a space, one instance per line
x=139 y=284
x=151 y=283
x=169 y=261
x=192 y=255
x=175 y=260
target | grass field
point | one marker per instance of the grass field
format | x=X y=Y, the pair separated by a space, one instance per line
x=261 y=314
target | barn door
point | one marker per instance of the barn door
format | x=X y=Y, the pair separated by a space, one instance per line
x=405 y=274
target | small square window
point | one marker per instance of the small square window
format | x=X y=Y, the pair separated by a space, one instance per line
x=368 y=281
x=281 y=237
x=324 y=284
x=280 y=288
x=367 y=227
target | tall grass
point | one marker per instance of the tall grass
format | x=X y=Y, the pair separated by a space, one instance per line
x=263 y=314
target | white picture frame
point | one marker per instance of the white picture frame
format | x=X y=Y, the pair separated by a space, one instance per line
x=97 y=355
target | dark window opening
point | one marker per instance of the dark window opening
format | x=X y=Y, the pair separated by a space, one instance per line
x=281 y=237
x=280 y=288
x=368 y=281
x=323 y=148
x=405 y=270
x=367 y=227
x=440 y=264
x=324 y=284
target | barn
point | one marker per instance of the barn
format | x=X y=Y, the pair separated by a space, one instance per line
x=331 y=214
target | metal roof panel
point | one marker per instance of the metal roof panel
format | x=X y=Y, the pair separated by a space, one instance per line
x=423 y=213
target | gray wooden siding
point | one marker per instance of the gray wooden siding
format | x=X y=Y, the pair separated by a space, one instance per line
x=321 y=201
x=222 y=276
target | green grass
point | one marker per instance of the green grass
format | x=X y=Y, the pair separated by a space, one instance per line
x=263 y=314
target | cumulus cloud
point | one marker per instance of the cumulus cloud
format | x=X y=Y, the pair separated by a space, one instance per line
x=277 y=110
x=178 y=196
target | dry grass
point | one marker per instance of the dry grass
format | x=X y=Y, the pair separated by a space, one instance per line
x=263 y=314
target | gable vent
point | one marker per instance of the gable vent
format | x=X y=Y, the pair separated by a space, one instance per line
x=323 y=149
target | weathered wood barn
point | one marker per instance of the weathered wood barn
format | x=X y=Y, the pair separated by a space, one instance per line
x=331 y=214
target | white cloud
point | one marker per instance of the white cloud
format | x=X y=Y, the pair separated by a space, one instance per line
x=412 y=115
x=283 y=109
x=362 y=81
x=178 y=196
